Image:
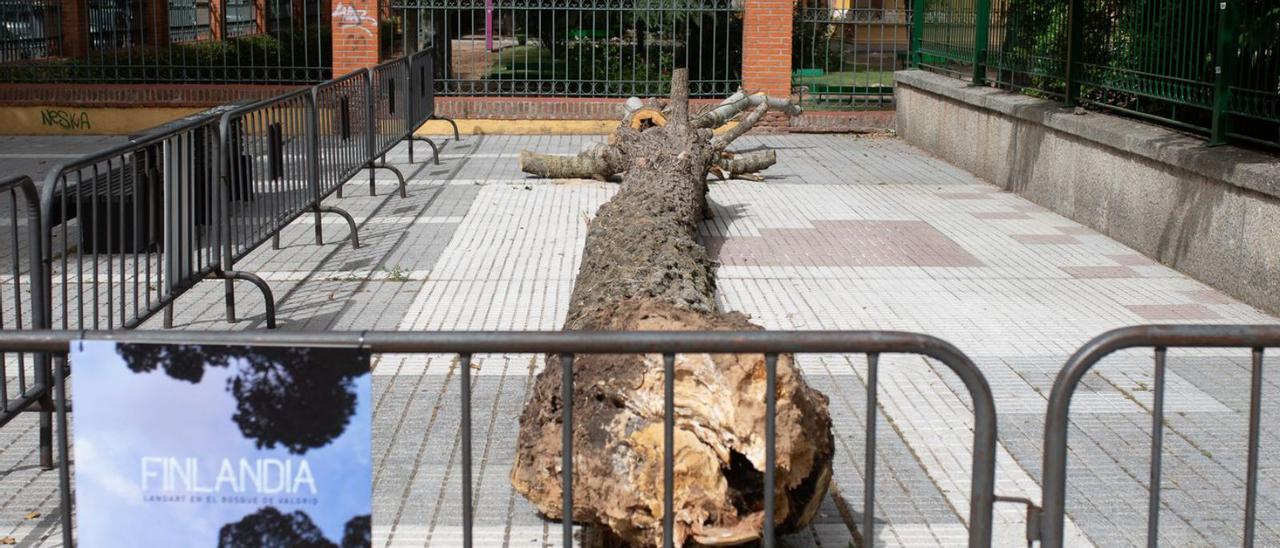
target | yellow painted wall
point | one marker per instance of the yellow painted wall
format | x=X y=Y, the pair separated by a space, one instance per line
x=67 y=120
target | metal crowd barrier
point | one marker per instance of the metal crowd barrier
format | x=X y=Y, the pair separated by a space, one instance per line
x=127 y=230
x=115 y=237
x=568 y=344
x=24 y=377
x=422 y=105
x=1160 y=338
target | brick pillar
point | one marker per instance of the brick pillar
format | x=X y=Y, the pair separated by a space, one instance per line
x=260 y=15
x=355 y=35
x=75 y=28
x=155 y=23
x=300 y=18
x=217 y=27
x=766 y=47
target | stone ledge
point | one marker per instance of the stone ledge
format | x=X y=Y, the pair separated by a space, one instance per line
x=1243 y=168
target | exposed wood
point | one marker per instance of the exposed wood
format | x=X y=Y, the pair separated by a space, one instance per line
x=602 y=162
x=643 y=268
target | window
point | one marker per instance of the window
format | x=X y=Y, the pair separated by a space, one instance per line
x=240 y=18
x=189 y=20
x=115 y=24
x=29 y=29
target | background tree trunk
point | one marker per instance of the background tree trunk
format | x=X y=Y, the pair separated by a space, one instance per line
x=644 y=269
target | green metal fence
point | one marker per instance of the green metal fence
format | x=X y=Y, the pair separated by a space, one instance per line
x=1207 y=66
x=844 y=52
x=589 y=48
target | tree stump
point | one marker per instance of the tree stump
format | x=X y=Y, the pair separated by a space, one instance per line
x=643 y=269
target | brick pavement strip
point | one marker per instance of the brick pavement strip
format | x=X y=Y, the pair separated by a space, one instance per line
x=478 y=246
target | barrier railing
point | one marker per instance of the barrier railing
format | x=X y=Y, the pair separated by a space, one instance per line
x=127 y=230
x=565 y=345
x=1160 y=338
x=422 y=104
x=24 y=377
x=115 y=237
x=388 y=116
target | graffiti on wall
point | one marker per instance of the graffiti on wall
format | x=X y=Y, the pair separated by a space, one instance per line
x=67 y=120
x=346 y=15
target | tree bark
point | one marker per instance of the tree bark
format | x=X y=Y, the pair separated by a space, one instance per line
x=644 y=269
x=601 y=161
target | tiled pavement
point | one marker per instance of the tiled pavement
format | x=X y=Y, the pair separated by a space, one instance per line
x=847 y=233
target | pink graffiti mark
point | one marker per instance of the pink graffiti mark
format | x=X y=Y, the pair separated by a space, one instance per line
x=347 y=15
x=488 y=25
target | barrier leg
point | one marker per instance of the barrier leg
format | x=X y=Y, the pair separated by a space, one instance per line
x=275 y=241
x=319 y=227
x=46 y=416
x=393 y=169
x=411 y=150
x=351 y=222
x=435 y=151
x=373 y=191
x=269 y=299
x=456 y=135
x=64 y=448
x=230 y=290
x=168 y=316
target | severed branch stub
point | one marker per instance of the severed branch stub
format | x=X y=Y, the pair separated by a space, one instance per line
x=644 y=269
x=604 y=161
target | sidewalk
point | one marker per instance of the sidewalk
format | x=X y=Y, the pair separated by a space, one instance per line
x=846 y=233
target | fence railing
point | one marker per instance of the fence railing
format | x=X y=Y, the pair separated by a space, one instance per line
x=24 y=377
x=589 y=48
x=144 y=41
x=1159 y=338
x=1201 y=65
x=565 y=346
x=1045 y=524
x=128 y=229
x=115 y=237
x=845 y=56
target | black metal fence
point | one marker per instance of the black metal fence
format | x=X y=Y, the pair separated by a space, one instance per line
x=1045 y=525
x=127 y=230
x=178 y=41
x=1050 y=529
x=115 y=237
x=24 y=377
x=565 y=345
x=588 y=48
x=844 y=53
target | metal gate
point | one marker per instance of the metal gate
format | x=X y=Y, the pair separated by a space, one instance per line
x=1160 y=338
x=568 y=344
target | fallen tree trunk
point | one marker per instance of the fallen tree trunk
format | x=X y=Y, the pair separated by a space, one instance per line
x=603 y=161
x=644 y=269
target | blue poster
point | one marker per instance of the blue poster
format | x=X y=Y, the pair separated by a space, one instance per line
x=229 y=446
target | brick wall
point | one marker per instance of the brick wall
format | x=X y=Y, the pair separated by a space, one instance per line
x=355 y=35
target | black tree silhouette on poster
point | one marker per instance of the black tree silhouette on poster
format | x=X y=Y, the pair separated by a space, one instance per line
x=269 y=528
x=282 y=396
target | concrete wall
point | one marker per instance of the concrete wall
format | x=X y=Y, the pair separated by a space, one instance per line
x=1210 y=212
